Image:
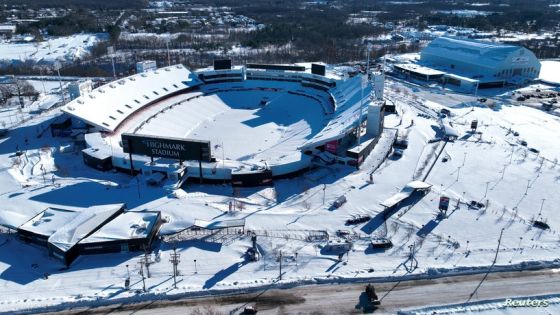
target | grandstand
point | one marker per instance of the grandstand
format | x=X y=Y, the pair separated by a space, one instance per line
x=262 y=121
x=109 y=105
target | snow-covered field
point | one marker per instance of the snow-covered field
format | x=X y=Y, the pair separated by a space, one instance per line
x=490 y=167
x=68 y=48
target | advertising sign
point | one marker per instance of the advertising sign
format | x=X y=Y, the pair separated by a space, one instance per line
x=443 y=203
x=318 y=69
x=222 y=64
x=172 y=148
x=332 y=146
x=474 y=124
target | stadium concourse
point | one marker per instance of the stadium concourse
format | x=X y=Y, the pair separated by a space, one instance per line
x=254 y=122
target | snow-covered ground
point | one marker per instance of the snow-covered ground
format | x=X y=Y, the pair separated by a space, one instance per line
x=550 y=71
x=69 y=48
x=490 y=167
x=49 y=95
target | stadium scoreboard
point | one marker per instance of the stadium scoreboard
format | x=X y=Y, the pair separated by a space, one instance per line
x=165 y=147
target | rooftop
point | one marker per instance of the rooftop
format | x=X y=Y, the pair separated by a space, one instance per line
x=109 y=105
x=128 y=225
x=47 y=222
x=419 y=69
x=75 y=229
x=478 y=52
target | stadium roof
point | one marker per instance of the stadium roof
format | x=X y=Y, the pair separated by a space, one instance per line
x=109 y=105
x=469 y=51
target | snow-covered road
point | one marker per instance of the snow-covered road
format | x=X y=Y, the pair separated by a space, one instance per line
x=348 y=298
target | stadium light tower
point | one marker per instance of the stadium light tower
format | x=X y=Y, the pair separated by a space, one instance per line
x=111 y=52
x=364 y=84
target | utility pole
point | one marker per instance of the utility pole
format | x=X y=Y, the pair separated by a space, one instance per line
x=175 y=261
x=147 y=261
x=411 y=255
x=324 y=192
x=142 y=274
x=195 y=268
x=127 y=280
x=280 y=276
x=542 y=204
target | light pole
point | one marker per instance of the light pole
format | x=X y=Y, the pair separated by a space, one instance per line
x=168 y=55
x=111 y=52
x=542 y=204
x=224 y=162
x=57 y=67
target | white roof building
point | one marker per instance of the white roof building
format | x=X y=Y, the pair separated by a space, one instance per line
x=482 y=60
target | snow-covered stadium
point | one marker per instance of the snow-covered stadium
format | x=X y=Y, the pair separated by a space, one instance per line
x=255 y=122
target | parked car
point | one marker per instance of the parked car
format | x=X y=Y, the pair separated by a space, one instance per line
x=249 y=310
x=381 y=242
x=339 y=202
x=358 y=220
x=398 y=152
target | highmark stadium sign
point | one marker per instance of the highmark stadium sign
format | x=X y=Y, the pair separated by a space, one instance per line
x=172 y=148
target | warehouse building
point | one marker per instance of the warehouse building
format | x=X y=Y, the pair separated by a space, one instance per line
x=491 y=64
